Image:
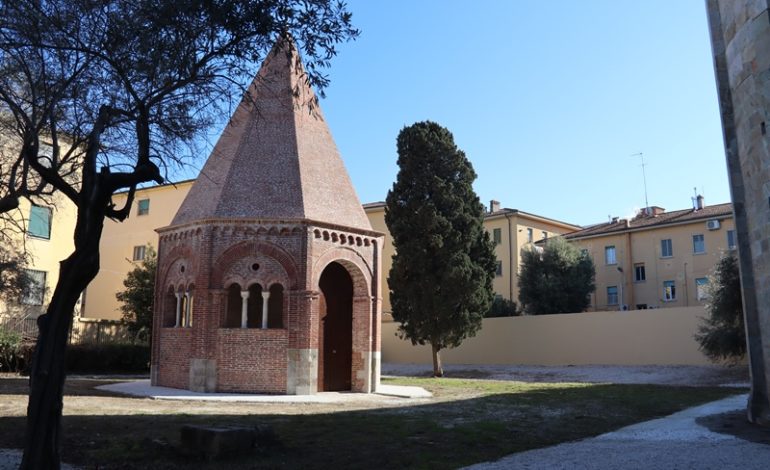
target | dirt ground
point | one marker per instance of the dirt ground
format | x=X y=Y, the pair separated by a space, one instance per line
x=111 y=421
x=701 y=376
x=85 y=399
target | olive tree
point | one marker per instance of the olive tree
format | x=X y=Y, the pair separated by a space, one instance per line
x=115 y=91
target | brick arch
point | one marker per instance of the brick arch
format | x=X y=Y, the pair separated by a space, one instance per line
x=254 y=248
x=179 y=252
x=358 y=268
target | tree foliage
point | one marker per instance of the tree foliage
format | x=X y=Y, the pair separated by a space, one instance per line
x=558 y=278
x=137 y=297
x=441 y=278
x=100 y=96
x=722 y=335
x=502 y=307
x=13 y=282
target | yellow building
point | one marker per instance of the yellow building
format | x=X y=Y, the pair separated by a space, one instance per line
x=509 y=229
x=657 y=259
x=123 y=244
x=44 y=230
x=48 y=239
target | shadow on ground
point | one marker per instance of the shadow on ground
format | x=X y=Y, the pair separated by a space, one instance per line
x=736 y=424
x=485 y=421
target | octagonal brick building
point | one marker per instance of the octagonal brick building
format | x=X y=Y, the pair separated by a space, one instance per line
x=268 y=275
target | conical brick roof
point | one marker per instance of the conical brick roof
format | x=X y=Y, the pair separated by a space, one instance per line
x=276 y=158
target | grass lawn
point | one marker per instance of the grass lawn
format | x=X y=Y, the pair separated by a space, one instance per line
x=467 y=421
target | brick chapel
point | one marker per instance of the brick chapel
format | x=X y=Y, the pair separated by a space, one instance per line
x=268 y=275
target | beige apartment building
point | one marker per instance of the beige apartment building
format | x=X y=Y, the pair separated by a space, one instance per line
x=123 y=244
x=48 y=240
x=44 y=230
x=657 y=259
x=510 y=230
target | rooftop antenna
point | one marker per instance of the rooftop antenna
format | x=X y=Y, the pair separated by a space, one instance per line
x=694 y=198
x=644 y=177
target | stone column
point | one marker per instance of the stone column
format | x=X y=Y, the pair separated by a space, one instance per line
x=178 y=309
x=265 y=298
x=244 y=309
x=740 y=43
x=187 y=310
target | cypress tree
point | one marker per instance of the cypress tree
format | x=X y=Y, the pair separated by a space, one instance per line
x=441 y=278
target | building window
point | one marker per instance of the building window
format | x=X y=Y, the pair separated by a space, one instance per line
x=698 y=244
x=612 y=295
x=139 y=252
x=731 y=239
x=143 y=207
x=497 y=236
x=669 y=291
x=666 y=248
x=545 y=235
x=39 y=222
x=609 y=255
x=700 y=287
x=530 y=235
x=34 y=287
x=499 y=269
x=639 y=273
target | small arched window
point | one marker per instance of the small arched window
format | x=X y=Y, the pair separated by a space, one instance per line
x=169 y=308
x=232 y=317
x=255 y=306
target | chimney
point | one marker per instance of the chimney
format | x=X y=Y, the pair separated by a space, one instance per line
x=699 y=203
x=494 y=206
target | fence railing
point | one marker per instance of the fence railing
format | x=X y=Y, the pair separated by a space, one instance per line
x=25 y=326
x=84 y=330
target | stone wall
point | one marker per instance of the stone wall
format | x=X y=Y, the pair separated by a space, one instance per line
x=740 y=38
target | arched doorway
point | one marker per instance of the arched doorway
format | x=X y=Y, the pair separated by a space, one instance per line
x=335 y=331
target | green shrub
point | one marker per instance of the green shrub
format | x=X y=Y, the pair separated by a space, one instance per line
x=110 y=358
x=721 y=335
x=15 y=352
x=502 y=307
x=10 y=347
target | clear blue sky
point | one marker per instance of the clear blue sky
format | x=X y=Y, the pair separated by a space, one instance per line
x=548 y=99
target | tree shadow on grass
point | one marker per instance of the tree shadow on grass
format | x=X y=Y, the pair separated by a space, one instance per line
x=447 y=434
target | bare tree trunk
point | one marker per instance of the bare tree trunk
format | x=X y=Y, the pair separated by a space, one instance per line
x=438 y=370
x=44 y=410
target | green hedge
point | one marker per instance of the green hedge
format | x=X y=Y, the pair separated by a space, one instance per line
x=14 y=351
x=109 y=358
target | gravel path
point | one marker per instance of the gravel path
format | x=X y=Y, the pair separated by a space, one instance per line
x=676 y=441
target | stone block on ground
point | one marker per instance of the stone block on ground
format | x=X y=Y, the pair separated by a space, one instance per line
x=222 y=442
